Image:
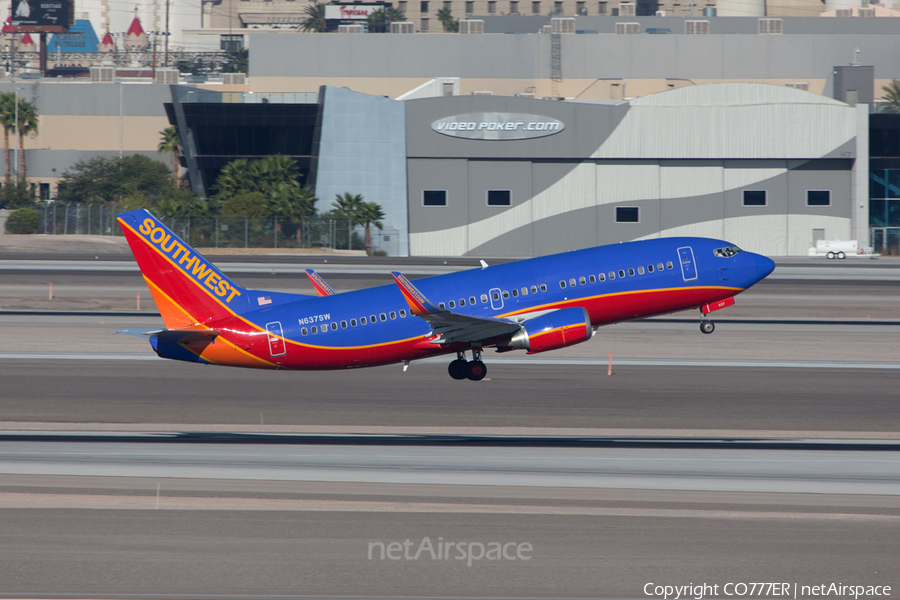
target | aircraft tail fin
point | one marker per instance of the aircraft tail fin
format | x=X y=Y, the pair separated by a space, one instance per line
x=322 y=288
x=419 y=305
x=186 y=287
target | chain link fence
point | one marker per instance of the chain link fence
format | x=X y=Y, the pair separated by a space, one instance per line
x=225 y=232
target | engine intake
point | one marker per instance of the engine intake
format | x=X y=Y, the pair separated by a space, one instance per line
x=557 y=329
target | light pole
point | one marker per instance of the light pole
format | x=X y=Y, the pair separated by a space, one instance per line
x=16 y=148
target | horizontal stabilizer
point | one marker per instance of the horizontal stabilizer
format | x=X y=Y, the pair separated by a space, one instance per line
x=138 y=332
x=322 y=288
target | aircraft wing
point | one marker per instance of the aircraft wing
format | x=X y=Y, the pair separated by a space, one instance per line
x=322 y=288
x=451 y=327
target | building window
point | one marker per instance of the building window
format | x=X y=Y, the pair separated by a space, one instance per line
x=601 y=8
x=492 y=7
x=401 y=6
x=45 y=192
x=818 y=197
x=627 y=214
x=423 y=7
x=230 y=43
x=448 y=5
x=470 y=7
x=557 y=8
x=580 y=8
x=434 y=197
x=514 y=7
x=499 y=197
x=536 y=8
x=754 y=197
x=423 y=24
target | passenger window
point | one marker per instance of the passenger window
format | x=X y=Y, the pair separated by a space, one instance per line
x=472 y=300
x=334 y=325
x=352 y=322
x=462 y=302
x=543 y=287
x=612 y=275
x=362 y=320
x=343 y=324
x=631 y=272
x=582 y=280
x=592 y=279
x=601 y=277
x=649 y=268
x=441 y=306
x=304 y=331
x=402 y=313
x=562 y=284
x=524 y=291
x=383 y=317
x=534 y=289
x=393 y=315
x=659 y=266
x=495 y=296
x=315 y=329
x=640 y=270
x=452 y=304
x=505 y=295
x=515 y=292
x=372 y=319
x=484 y=298
x=572 y=282
x=669 y=264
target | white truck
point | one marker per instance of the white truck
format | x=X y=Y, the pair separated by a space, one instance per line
x=840 y=249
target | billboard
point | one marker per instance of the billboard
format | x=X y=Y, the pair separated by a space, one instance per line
x=35 y=16
x=350 y=12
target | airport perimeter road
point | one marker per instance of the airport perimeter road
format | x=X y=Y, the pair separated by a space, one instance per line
x=516 y=395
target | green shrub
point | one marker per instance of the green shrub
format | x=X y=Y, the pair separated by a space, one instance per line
x=23 y=220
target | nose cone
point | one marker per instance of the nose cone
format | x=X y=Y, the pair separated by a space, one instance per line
x=763 y=265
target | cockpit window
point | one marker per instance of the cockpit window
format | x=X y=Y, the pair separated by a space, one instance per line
x=727 y=252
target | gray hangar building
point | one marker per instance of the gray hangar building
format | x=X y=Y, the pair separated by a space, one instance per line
x=769 y=168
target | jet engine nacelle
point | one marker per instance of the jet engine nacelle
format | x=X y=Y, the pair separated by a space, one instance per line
x=557 y=329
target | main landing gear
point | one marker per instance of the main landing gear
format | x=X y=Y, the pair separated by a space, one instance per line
x=463 y=369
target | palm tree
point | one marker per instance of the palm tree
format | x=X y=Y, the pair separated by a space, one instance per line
x=314 y=18
x=380 y=20
x=8 y=122
x=28 y=125
x=450 y=24
x=348 y=206
x=370 y=213
x=169 y=142
x=892 y=96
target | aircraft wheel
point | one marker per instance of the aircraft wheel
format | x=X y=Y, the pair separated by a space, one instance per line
x=476 y=370
x=830 y=255
x=707 y=326
x=841 y=256
x=457 y=369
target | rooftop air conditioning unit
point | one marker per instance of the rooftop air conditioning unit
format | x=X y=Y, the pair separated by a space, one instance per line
x=103 y=74
x=843 y=13
x=525 y=94
x=350 y=29
x=482 y=93
x=866 y=12
x=799 y=85
x=234 y=78
x=623 y=28
x=403 y=27
x=660 y=13
x=771 y=26
x=626 y=9
x=696 y=27
x=167 y=76
x=471 y=26
x=547 y=29
x=562 y=25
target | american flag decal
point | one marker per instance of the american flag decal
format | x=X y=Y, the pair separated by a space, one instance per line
x=263 y=300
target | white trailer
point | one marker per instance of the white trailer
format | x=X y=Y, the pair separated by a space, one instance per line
x=840 y=249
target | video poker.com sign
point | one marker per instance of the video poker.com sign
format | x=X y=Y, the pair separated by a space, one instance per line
x=497 y=126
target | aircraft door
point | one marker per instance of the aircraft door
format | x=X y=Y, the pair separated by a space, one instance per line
x=688 y=268
x=276 y=338
x=496 y=298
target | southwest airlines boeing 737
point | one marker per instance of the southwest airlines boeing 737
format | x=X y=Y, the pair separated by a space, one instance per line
x=536 y=305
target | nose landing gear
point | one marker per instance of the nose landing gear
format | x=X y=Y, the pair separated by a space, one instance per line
x=706 y=326
x=474 y=370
